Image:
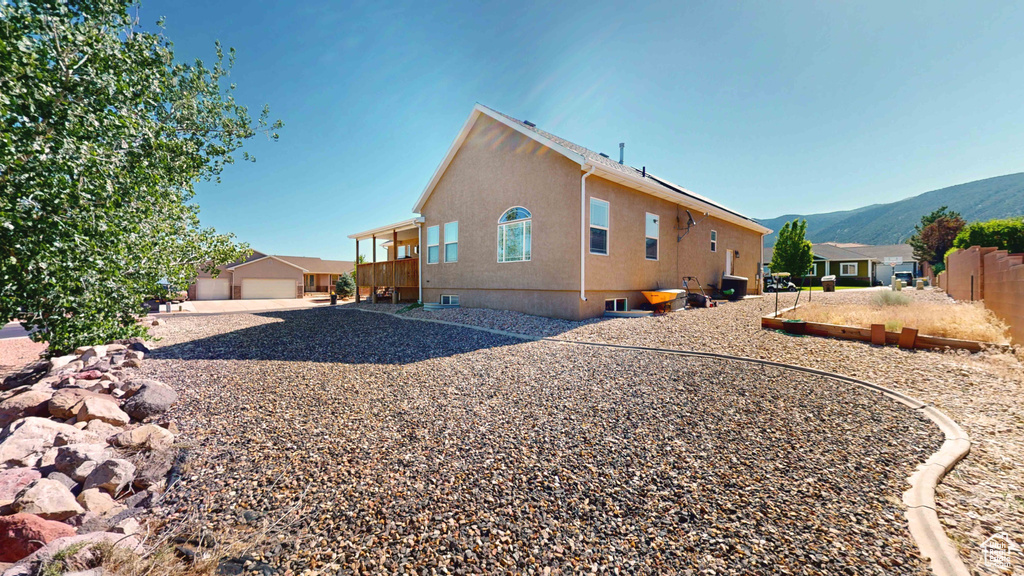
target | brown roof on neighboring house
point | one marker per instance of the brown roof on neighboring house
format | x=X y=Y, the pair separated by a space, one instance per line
x=319 y=266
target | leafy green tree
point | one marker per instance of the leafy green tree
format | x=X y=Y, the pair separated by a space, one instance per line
x=793 y=252
x=346 y=286
x=934 y=236
x=103 y=136
x=1004 y=234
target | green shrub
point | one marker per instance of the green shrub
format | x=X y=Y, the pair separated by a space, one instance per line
x=1005 y=234
x=890 y=298
x=346 y=286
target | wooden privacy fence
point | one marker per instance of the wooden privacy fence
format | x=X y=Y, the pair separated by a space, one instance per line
x=995 y=277
x=394 y=273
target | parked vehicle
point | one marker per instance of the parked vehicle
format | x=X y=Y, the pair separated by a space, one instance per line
x=779 y=283
x=907 y=277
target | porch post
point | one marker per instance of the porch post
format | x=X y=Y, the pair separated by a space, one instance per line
x=356 y=272
x=373 y=289
x=394 y=265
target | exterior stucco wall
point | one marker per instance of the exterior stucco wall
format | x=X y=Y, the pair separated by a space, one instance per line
x=497 y=168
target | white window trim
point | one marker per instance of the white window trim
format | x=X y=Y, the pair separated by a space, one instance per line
x=438 y=227
x=625 y=302
x=843 y=266
x=445 y=243
x=657 y=222
x=503 y=224
x=714 y=240
x=607 y=229
x=814 y=269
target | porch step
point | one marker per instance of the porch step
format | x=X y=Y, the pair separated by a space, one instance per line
x=436 y=306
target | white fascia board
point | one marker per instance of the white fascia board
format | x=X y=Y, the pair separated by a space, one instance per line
x=271 y=257
x=473 y=116
x=397 y=226
x=659 y=192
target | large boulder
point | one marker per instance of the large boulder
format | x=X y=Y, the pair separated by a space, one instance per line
x=145 y=437
x=113 y=476
x=23 y=534
x=47 y=499
x=63 y=402
x=79 y=460
x=152 y=399
x=93 y=352
x=28 y=403
x=58 y=362
x=13 y=481
x=152 y=469
x=24 y=442
x=101 y=408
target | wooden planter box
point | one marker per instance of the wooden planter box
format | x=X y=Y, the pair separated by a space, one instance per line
x=876 y=334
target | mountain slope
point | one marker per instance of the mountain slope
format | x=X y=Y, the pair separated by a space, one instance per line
x=999 y=197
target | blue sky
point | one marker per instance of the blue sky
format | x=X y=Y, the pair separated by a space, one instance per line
x=769 y=108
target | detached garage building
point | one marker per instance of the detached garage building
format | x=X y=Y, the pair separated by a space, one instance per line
x=267 y=276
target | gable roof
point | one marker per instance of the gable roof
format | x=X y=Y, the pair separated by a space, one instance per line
x=639 y=180
x=905 y=251
x=831 y=252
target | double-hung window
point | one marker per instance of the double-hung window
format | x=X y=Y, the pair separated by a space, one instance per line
x=515 y=228
x=598 y=227
x=433 y=247
x=651 y=236
x=451 y=242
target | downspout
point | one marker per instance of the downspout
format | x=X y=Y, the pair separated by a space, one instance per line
x=419 y=256
x=583 y=232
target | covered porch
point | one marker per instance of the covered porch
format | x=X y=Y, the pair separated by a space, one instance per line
x=392 y=267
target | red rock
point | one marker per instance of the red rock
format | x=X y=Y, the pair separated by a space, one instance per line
x=23 y=534
x=89 y=375
x=13 y=481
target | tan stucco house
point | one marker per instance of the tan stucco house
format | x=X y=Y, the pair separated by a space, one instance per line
x=267 y=276
x=517 y=218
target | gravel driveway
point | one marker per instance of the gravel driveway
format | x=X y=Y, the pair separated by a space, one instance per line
x=388 y=446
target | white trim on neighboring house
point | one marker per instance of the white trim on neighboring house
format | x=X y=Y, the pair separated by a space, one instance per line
x=657 y=187
x=272 y=257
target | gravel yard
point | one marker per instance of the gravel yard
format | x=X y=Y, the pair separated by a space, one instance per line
x=364 y=443
x=984 y=393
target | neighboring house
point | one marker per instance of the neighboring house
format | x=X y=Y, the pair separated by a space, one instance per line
x=856 y=264
x=263 y=276
x=516 y=218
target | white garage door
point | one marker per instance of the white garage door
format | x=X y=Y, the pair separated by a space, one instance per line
x=263 y=288
x=213 y=289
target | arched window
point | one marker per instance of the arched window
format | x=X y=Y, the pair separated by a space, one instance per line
x=514 y=232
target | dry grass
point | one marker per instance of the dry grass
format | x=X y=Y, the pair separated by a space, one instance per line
x=966 y=321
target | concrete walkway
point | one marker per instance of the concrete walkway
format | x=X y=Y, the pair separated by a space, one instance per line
x=243 y=306
x=12 y=330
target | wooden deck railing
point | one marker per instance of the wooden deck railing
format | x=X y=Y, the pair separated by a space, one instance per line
x=396 y=273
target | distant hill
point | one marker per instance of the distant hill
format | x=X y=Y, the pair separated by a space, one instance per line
x=999 y=197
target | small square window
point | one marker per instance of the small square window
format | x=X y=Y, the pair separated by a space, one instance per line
x=616 y=305
x=449 y=299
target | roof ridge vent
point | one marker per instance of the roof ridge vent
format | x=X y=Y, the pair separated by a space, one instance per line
x=530 y=124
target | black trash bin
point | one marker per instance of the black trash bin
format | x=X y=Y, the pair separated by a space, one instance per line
x=334 y=299
x=738 y=285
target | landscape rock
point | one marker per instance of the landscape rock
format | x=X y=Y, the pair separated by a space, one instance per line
x=79 y=460
x=100 y=408
x=132 y=363
x=64 y=401
x=115 y=347
x=47 y=499
x=93 y=352
x=101 y=429
x=145 y=437
x=86 y=555
x=22 y=534
x=152 y=399
x=63 y=479
x=128 y=526
x=88 y=375
x=25 y=441
x=29 y=403
x=135 y=355
x=113 y=476
x=13 y=481
x=152 y=469
x=96 y=500
x=58 y=362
